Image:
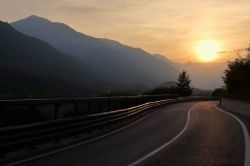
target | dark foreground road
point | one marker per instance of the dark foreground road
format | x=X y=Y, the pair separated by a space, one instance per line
x=211 y=138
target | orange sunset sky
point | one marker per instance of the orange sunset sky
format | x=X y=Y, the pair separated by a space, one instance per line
x=182 y=30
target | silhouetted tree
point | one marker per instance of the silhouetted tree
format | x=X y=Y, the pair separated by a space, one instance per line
x=183 y=84
x=219 y=92
x=237 y=77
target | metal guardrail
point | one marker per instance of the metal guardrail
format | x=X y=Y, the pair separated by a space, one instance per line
x=18 y=137
x=77 y=100
x=18 y=112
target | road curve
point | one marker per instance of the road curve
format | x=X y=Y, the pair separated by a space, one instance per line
x=210 y=138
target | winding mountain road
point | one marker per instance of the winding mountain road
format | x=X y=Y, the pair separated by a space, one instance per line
x=184 y=134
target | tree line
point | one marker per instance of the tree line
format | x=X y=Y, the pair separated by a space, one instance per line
x=182 y=87
x=236 y=78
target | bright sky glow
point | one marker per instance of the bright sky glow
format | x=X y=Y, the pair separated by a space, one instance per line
x=207 y=50
x=168 y=27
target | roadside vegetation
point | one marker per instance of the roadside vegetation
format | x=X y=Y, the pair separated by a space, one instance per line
x=219 y=92
x=182 y=88
x=237 y=78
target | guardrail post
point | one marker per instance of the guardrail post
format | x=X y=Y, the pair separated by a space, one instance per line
x=122 y=103
x=56 y=111
x=126 y=103
x=137 y=100
x=108 y=104
x=76 y=107
x=32 y=107
x=99 y=106
x=1 y=108
x=118 y=103
x=111 y=104
x=88 y=107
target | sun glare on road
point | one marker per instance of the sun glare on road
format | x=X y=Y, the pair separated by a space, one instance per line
x=207 y=50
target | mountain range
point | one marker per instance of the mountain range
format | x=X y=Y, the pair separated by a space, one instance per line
x=51 y=59
x=31 y=66
x=48 y=59
x=111 y=61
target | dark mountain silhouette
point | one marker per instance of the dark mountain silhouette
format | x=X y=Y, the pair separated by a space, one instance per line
x=30 y=66
x=112 y=61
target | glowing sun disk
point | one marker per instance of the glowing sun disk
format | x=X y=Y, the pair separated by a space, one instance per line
x=206 y=50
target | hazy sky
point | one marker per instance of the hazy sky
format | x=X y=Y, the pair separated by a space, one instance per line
x=168 y=27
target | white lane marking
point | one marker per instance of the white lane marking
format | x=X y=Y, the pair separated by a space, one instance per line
x=167 y=143
x=246 y=135
x=81 y=143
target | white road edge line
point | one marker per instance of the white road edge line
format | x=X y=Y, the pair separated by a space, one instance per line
x=167 y=143
x=246 y=135
x=81 y=143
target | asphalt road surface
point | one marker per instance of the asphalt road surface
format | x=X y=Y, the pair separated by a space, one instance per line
x=194 y=134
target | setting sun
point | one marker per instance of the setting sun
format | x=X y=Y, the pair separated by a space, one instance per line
x=207 y=50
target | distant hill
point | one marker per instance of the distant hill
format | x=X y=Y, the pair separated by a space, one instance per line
x=167 y=84
x=205 y=75
x=111 y=61
x=31 y=66
x=200 y=92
